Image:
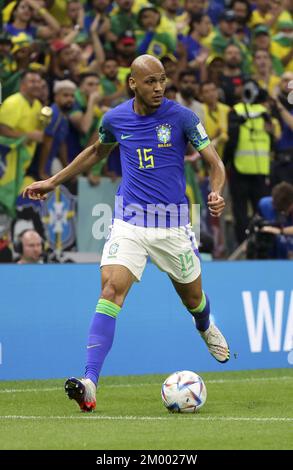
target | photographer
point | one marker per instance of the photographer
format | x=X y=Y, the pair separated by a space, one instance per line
x=271 y=236
x=247 y=153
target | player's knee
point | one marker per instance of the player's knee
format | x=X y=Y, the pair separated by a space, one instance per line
x=111 y=292
x=193 y=300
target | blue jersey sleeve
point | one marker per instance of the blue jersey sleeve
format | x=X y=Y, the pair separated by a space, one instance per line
x=106 y=134
x=194 y=130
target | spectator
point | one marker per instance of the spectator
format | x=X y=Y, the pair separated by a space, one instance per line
x=124 y=19
x=283 y=164
x=214 y=68
x=21 y=18
x=98 y=49
x=226 y=32
x=215 y=116
x=7 y=65
x=125 y=52
x=149 y=40
x=86 y=113
x=242 y=10
x=44 y=93
x=75 y=13
x=278 y=210
x=200 y=28
x=172 y=68
x=100 y=9
x=169 y=17
x=24 y=59
x=195 y=7
x=262 y=41
x=200 y=7
x=5 y=237
x=63 y=64
x=22 y=51
x=261 y=14
x=282 y=44
x=56 y=133
x=232 y=78
x=30 y=247
x=113 y=90
x=216 y=125
x=20 y=113
x=227 y=35
x=268 y=13
x=171 y=92
x=188 y=88
x=263 y=71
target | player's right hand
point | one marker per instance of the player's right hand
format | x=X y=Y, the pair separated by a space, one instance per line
x=39 y=190
x=216 y=204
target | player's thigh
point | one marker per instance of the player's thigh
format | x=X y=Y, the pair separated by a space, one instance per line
x=190 y=293
x=125 y=247
x=176 y=254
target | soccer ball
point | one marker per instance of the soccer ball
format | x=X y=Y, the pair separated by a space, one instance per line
x=184 y=392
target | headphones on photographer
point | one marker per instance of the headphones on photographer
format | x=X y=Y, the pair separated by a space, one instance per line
x=18 y=245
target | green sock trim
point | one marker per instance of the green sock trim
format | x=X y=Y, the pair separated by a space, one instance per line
x=108 y=308
x=201 y=305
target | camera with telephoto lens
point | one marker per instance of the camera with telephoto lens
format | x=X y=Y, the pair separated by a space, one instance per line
x=260 y=245
x=254 y=94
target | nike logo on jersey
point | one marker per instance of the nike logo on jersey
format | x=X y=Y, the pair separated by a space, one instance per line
x=126 y=136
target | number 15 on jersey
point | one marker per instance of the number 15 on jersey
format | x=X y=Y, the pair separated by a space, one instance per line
x=145 y=159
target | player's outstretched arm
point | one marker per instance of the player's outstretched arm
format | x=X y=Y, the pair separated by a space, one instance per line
x=216 y=202
x=82 y=163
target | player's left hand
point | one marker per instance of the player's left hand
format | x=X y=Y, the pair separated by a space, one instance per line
x=216 y=204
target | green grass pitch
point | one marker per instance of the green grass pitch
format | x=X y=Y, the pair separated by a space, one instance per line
x=244 y=410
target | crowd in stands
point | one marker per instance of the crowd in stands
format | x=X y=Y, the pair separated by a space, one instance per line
x=64 y=63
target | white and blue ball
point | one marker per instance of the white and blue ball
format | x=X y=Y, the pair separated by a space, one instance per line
x=184 y=392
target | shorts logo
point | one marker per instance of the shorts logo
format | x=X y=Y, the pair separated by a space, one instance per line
x=164 y=133
x=113 y=249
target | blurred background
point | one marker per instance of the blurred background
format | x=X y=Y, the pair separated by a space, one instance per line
x=64 y=63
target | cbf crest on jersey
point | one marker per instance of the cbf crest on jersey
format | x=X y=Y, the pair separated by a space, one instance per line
x=164 y=134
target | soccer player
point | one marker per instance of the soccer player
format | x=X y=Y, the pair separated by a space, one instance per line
x=152 y=133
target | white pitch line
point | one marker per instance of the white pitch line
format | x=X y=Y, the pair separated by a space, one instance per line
x=215 y=381
x=29 y=390
x=148 y=418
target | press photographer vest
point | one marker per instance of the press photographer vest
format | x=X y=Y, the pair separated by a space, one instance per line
x=252 y=156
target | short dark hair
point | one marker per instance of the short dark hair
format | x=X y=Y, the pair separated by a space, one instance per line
x=207 y=82
x=109 y=58
x=171 y=88
x=282 y=195
x=85 y=75
x=195 y=18
x=248 y=6
x=186 y=73
x=27 y=72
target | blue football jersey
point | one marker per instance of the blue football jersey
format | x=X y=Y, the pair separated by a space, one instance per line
x=152 y=150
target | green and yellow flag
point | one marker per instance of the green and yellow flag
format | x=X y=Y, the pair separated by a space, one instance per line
x=13 y=161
